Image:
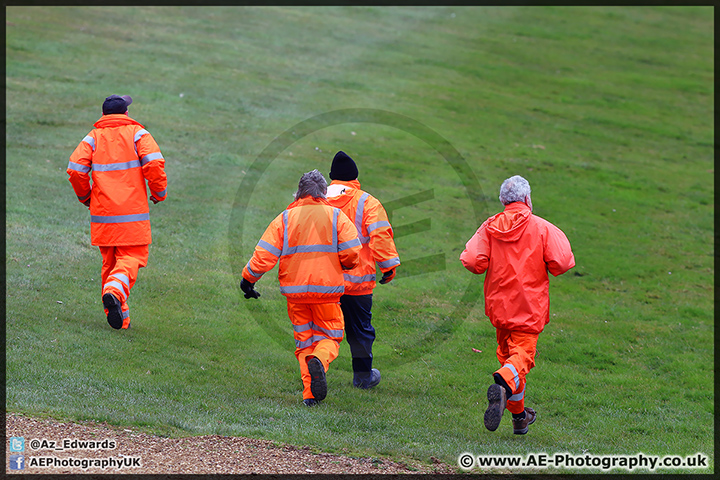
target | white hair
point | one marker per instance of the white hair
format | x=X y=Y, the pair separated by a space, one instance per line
x=514 y=189
x=312 y=184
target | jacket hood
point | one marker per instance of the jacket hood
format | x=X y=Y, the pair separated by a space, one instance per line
x=510 y=224
x=339 y=192
x=115 y=120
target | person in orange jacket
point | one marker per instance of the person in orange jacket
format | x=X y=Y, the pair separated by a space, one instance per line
x=378 y=247
x=516 y=250
x=313 y=242
x=122 y=156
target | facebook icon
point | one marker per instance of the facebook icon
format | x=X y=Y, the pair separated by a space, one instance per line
x=17 y=462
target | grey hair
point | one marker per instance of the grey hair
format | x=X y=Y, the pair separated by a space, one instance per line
x=312 y=184
x=514 y=189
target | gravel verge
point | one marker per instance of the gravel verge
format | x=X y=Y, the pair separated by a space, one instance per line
x=206 y=454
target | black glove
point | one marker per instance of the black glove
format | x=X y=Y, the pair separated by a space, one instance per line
x=154 y=200
x=387 y=276
x=87 y=203
x=249 y=289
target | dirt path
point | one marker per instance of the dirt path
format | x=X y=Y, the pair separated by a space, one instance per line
x=209 y=454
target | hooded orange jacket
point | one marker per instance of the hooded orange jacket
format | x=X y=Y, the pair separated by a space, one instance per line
x=121 y=155
x=313 y=243
x=517 y=249
x=374 y=231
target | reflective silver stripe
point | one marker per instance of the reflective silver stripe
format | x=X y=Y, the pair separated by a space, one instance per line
x=310 y=341
x=160 y=194
x=379 y=224
x=359 y=279
x=515 y=372
x=393 y=262
x=312 y=289
x=117 y=285
x=336 y=214
x=126 y=314
x=270 y=248
x=139 y=134
x=82 y=199
x=122 y=277
x=359 y=216
x=250 y=270
x=77 y=167
x=355 y=242
x=303 y=328
x=90 y=141
x=313 y=326
x=310 y=249
x=286 y=245
x=327 y=331
x=110 y=167
x=150 y=157
x=518 y=396
x=139 y=217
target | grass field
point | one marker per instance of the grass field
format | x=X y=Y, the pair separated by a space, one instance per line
x=608 y=112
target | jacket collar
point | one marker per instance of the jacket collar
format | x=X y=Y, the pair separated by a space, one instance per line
x=516 y=206
x=351 y=183
x=308 y=201
x=115 y=120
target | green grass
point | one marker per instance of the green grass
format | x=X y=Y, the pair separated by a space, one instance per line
x=607 y=111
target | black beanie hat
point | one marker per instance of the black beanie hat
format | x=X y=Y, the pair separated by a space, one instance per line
x=343 y=167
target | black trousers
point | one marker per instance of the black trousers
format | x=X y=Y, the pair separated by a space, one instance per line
x=359 y=332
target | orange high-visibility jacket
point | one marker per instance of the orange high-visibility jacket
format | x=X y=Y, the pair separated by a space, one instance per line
x=374 y=231
x=517 y=249
x=121 y=155
x=313 y=242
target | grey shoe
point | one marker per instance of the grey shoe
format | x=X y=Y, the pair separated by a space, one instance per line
x=373 y=382
x=520 y=427
x=497 y=399
x=318 y=382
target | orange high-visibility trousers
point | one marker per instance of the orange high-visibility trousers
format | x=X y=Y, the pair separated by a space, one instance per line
x=120 y=267
x=516 y=353
x=318 y=330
